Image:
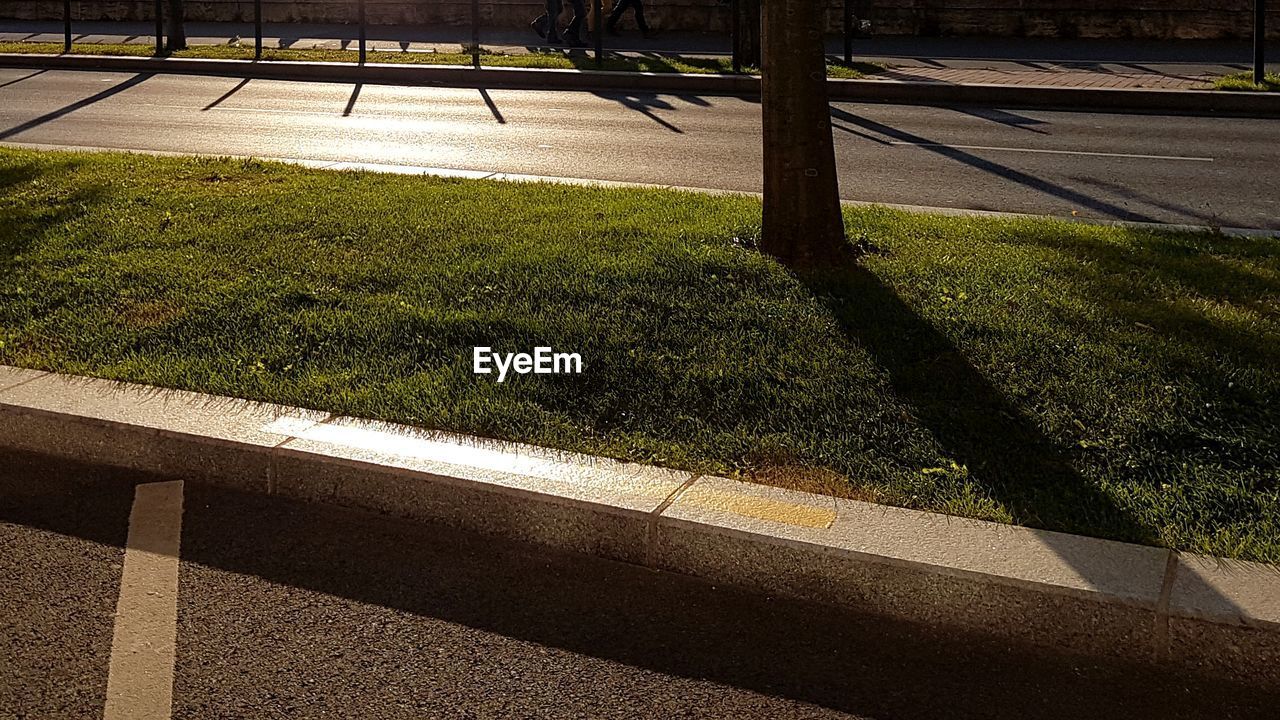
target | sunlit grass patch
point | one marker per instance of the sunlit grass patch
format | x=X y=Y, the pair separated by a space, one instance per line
x=1112 y=381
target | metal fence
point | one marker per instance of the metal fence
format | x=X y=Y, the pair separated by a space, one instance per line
x=852 y=27
x=854 y=14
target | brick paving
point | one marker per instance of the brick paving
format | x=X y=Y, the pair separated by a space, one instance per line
x=1055 y=75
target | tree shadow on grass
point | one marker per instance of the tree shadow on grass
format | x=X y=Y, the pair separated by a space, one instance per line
x=24 y=222
x=974 y=423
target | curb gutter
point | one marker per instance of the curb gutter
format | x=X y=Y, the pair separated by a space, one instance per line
x=1245 y=104
x=1090 y=596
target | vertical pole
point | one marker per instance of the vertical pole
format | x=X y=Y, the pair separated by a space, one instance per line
x=362 y=33
x=475 y=33
x=848 y=32
x=597 y=12
x=1259 y=41
x=735 y=6
x=159 y=27
x=66 y=26
x=257 y=29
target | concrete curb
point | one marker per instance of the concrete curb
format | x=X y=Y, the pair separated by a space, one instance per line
x=1091 y=596
x=1244 y=104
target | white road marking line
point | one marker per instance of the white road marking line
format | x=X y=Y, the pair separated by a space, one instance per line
x=140 y=678
x=1051 y=152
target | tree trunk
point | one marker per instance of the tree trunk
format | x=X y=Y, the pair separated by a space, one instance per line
x=746 y=33
x=177 y=31
x=803 y=225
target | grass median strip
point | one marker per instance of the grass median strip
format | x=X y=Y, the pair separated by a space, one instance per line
x=1244 y=81
x=1110 y=381
x=546 y=59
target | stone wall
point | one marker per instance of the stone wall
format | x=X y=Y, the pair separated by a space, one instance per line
x=1156 y=19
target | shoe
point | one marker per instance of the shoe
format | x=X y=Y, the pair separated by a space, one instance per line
x=553 y=39
x=573 y=41
x=539 y=26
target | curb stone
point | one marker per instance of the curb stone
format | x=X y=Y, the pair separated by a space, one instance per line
x=1244 y=104
x=1089 y=596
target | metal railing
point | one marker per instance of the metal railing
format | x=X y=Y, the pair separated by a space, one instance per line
x=852 y=29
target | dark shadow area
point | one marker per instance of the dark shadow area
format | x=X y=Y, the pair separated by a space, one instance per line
x=21 y=226
x=493 y=107
x=976 y=425
x=83 y=103
x=227 y=95
x=1004 y=117
x=1191 y=214
x=15 y=81
x=519 y=606
x=351 y=101
x=858 y=133
x=645 y=104
x=990 y=166
x=1198 y=268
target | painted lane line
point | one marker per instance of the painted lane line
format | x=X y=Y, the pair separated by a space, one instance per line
x=140 y=678
x=1050 y=152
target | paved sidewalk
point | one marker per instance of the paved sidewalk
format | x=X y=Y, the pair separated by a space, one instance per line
x=1077 y=76
x=1013 y=61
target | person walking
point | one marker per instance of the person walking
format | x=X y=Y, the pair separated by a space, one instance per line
x=620 y=7
x=545 y=24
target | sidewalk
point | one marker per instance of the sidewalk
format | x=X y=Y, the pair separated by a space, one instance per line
x=1010 y=61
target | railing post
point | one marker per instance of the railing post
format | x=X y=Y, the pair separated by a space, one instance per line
x=362 y=33
x=475 y=33
x=848 y=32
x=1259 y=41
x=597 y=10
x=735 y=6
x=66 y=26
x=257 y=29
x=159 y=27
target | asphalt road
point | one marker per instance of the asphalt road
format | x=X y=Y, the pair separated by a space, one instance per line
x=291 y=611
x=1215 y=171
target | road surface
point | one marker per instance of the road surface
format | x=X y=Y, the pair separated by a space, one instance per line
x=282 y=610
x=1205 y=171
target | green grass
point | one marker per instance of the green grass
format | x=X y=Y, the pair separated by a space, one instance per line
x=550 y=59
x=1244 y=81
x=1117 y=382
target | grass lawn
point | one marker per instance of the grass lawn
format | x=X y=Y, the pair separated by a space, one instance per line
x=553 y=59
x=1117 y=382
x=1244 y=81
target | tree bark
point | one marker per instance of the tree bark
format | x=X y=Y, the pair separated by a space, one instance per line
x=746 y=34
x=803 y=225
x=176 y=27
